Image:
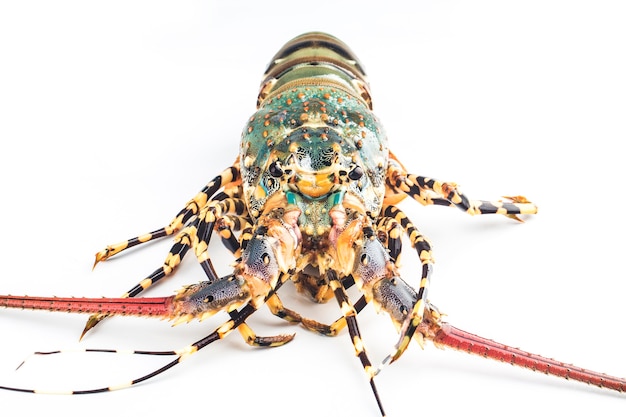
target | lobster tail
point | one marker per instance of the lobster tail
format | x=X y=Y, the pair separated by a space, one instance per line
x=313 y=57
x=450 y=336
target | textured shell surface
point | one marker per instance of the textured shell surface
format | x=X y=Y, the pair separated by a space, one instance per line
x=326 y=129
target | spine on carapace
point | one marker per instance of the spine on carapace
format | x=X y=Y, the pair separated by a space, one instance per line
x=159 y=306
x=450 y=336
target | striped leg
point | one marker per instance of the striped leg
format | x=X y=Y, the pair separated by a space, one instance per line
x=210 y=214
x=278 y=309
x=414 y=317
x=428 y=191
x=197 y=235
x=225 y=227
x=337 y=326
x=452 y=196
x=349 y=313
x=417 y=239
x=182 y=243
x=228 y=176
x=389 y=232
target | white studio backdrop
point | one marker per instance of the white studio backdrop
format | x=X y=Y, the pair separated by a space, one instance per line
x=113 y=114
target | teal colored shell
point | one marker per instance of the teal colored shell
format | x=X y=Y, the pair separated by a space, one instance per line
x=318 y=132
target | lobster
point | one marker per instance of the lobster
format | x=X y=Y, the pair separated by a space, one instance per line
x=312 y=198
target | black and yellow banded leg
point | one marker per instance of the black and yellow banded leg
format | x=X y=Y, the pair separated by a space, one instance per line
x=213 y=212
x=349 y=313
x=417 y=239
x=337 y=326
x=415 y=316
x=183 y=241
x=429 y=191
x=210 y=214
x=279 y=310
x=225 y=227
x=191 y=209
x=389 y=231
x=253 y=339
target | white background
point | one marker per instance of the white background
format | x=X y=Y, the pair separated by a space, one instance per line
x=113 y=114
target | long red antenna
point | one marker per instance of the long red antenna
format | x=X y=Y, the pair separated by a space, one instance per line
x=152 y=306
x=458 y=339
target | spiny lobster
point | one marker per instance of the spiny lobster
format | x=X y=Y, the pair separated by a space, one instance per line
x=311 y=198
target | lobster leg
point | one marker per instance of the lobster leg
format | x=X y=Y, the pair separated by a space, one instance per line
x=389 y=232
x=198 y=235
x=182 y=243
x=192 y=208
x=452 y=196
x=429 y=191
x=349 y=313
x=211 y=213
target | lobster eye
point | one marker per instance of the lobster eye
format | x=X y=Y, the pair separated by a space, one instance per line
x=276 y=170
x=356 y=173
